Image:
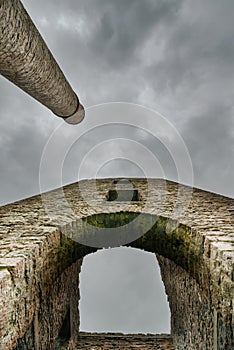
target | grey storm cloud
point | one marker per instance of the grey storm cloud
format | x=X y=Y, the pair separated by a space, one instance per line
x=176 y=57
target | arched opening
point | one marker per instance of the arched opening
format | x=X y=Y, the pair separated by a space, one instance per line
x=42 y=269
x=121 y=290
x=179 y=259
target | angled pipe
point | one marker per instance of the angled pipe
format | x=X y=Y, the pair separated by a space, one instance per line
x=27 y=62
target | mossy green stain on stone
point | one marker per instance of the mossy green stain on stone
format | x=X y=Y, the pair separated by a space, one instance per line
x=201 y=244
x=163 y=236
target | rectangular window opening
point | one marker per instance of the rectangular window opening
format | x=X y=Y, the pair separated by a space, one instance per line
x=123 y=196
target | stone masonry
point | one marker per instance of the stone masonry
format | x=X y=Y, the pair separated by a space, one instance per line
x=42 y=245
x=108 y=341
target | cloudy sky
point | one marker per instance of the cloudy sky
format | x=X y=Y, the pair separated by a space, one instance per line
x=175 y=57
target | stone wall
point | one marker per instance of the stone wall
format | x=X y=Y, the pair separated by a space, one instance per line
x=108 y=341
x=192 y=313
x=61 y=299
x=196 y=323
x=47 y=317
x=37 y=249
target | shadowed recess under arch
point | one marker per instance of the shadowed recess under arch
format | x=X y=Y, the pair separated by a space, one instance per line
x=41 y=262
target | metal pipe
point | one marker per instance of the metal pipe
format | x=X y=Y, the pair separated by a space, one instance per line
x=27 y=62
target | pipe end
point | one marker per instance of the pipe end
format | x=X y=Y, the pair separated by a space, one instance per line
x=77 y=117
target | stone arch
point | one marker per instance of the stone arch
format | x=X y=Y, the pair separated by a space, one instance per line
x=181 y=259
x=165 y=237
x=40 y=261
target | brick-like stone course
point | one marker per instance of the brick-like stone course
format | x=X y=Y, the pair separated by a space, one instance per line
x=35 y=250
x=117 y=341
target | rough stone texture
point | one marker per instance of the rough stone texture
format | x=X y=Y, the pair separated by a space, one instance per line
x=47 y=315
x=185 y=296
x=37 y=249
x=106 y=341
x=27 y=62
x=53 y=305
